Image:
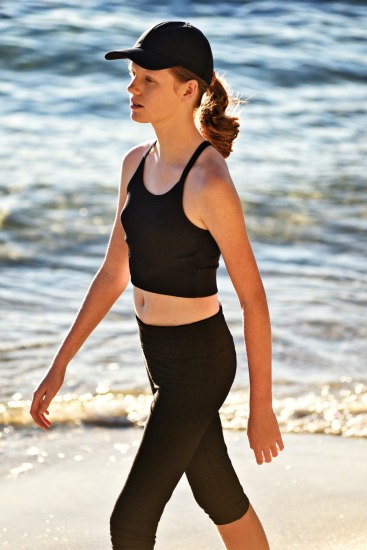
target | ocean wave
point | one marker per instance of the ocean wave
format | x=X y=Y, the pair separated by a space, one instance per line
x=334 y=409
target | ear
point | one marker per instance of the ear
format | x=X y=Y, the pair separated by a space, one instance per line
x=190 y=90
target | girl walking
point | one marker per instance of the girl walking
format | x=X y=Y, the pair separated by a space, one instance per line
x=177 y=212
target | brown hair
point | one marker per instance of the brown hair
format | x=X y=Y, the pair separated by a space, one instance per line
x=211 y=105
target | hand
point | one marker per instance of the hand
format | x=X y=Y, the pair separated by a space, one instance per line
x=264 y=435
x=43 y=396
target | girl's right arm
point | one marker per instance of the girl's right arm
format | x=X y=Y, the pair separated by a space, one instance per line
x=108 y=284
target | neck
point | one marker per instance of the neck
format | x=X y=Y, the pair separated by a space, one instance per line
x=176 y=139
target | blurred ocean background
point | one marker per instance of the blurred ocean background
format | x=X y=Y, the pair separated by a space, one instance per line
x=300 y=168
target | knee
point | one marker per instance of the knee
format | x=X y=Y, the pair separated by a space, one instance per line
x=127 y=534
x=227 y=515
x=115 y=523
x=118 y=529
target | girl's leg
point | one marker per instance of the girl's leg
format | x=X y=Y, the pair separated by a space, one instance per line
x=213 y=480
x=245 y=533
x=218 y=491
x=191 y=369
x=171 y=436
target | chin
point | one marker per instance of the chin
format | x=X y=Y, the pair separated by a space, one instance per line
x=136 y=118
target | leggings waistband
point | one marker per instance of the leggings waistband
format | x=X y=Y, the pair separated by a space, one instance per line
x=203 y=337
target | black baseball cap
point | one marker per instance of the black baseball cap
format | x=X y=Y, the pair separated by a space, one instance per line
x=170 y=44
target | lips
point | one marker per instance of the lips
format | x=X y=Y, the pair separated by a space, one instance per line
x=135 y=104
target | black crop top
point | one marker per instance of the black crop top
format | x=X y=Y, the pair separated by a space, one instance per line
x=168 y=254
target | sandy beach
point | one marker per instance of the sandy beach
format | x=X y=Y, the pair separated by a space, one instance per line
x=312 y=497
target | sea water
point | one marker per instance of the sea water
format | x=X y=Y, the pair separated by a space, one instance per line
x=299 y=166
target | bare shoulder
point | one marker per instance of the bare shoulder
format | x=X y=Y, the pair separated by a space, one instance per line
x=212 y=177
x=212 y=196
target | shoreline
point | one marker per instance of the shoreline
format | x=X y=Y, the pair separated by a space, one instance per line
x=313 y=496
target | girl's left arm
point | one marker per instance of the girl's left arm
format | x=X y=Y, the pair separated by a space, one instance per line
x=222 y=214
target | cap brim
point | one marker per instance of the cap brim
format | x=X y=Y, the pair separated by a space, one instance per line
x=143 y=58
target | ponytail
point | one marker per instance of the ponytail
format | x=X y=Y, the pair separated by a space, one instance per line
x=219 y=128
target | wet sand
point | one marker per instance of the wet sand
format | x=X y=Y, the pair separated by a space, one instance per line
x=314 y=496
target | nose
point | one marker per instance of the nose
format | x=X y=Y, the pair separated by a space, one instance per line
x=132 y=87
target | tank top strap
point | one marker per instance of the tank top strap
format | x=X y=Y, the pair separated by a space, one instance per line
x=148 y=150
x=137 y=176
x=193 y=159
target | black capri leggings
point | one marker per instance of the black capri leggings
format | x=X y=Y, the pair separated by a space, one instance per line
x=191 y=369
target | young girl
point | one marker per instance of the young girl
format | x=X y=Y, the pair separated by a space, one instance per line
x=180 y=211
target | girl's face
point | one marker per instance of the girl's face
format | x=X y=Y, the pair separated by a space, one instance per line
x=155 y=95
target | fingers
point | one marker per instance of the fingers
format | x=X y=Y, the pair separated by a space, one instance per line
x=43 y=396
x=262 y=456
x=267 y=454
x=46 y=401
x=264 y=437
x=280 y=443
x=39 y=408
x=274 y=451
x=259 y=456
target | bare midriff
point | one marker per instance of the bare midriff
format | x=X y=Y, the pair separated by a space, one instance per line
x=162 y=310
